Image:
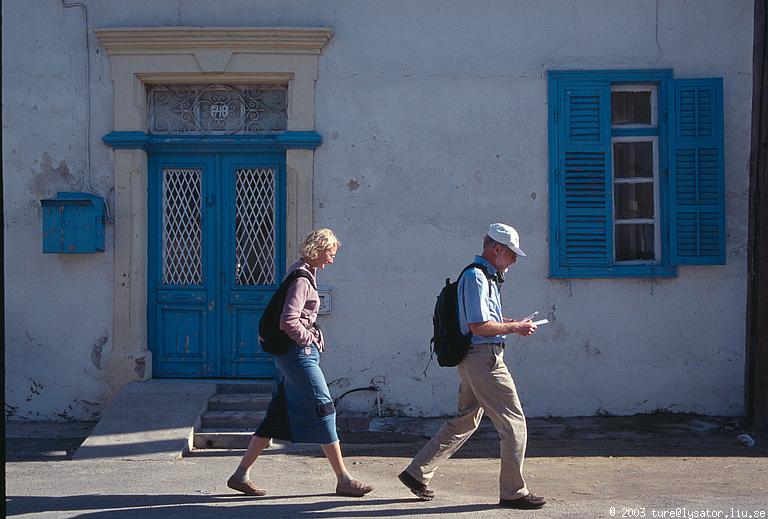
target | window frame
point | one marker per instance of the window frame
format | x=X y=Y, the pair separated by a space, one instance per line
x=640 y=87
x=656 y=181
x=626 y=78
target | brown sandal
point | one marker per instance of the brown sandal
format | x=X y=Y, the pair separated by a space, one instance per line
x=352 y=488
x=248 y=488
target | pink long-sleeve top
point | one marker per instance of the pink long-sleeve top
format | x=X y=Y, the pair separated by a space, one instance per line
x=300 y=309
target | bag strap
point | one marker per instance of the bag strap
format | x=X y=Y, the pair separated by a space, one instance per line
x=484 y=270
x=477 y=266
x=293 y=276
x=289 y=280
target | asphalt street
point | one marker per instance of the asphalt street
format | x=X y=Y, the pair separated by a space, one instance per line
x=647 y=466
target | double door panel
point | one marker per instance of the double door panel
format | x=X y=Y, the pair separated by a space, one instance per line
x=216 y=256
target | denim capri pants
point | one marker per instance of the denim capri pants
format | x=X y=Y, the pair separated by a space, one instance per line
x=301 y=409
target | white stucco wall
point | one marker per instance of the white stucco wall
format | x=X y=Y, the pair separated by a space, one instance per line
x=434 y=123
x=58 y=318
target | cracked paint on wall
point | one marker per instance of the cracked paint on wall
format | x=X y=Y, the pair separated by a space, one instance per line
x=140 y=367
x=96 y=350
x=48 y=179
x=35 y=389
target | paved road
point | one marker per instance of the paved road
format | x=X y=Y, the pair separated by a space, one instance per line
x=651 y=467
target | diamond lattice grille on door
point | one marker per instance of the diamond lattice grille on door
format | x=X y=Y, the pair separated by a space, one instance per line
x=182 y=231
x=255 y=227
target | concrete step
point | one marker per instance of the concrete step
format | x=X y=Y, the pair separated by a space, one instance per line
x=221 y=438
x=232 y=419
x=230 y=438
x=208 y=440
x=131 y=429
x=245 y=387
x=239 y=402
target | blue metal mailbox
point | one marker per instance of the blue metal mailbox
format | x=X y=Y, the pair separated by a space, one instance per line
x=73 y=223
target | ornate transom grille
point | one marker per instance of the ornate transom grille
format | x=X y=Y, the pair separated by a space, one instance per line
x=217 y=109
x=255 y=227
x=182 y=229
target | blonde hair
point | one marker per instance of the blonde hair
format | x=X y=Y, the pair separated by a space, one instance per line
x=318 y=241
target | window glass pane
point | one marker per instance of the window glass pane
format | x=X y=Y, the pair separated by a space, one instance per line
x=255 y=226
x=633 y=201
x=182 y=226
x=633 y=159
x=634 y=241
x=630 y=108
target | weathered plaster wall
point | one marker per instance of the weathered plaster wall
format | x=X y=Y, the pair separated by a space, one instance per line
x=58 y=307
x=444 y=131
x=434 y=120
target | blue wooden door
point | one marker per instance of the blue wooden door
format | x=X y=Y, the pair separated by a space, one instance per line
x=216 y=256
x=253 y=194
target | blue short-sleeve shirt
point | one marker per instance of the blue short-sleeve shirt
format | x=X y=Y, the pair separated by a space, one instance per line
x=479 y=301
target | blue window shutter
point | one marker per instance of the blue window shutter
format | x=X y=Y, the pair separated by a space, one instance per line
x=696 y=170
x=583 y=176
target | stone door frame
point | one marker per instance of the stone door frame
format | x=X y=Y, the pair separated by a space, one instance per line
x=181 y=55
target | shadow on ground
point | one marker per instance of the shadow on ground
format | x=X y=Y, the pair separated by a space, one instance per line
x=40 y=449
x=663 y=435
x=209 y=506
x=658 y=434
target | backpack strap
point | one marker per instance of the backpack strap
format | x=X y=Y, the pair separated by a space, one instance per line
x=293 y=276
x=482 y=268
x=300 y=273
x=282 y=290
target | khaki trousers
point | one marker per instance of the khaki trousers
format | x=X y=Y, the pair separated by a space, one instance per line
x=486 y=385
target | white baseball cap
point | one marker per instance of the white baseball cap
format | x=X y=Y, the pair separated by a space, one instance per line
x=506 y=235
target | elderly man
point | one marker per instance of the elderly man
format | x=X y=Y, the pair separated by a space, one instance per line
x=486 y=385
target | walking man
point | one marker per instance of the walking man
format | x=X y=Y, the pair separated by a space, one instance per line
x=486 y=384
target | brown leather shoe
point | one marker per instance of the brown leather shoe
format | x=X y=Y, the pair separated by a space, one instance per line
x=529 y=502
x=420 y=490
x=352 y=488
x=248 y=488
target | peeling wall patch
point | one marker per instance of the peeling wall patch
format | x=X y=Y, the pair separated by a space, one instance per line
x=10 y=410
x=141 y=366
x=50 y=179
x=341 y=383
x=96 y=350
x=34 y=389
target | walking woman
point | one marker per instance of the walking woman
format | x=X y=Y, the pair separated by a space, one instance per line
x=301 y=409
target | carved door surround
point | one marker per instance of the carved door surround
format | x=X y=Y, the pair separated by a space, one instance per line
x=142 y=57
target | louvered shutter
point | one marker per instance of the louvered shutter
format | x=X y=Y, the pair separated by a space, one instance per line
x=583 y=175
x=697 y=220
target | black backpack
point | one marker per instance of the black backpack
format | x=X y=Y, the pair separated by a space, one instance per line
x=448 y=343
x=272 y=339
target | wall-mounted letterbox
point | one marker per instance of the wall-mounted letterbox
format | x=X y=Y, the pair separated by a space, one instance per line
x=324 y=291
x=73 y=223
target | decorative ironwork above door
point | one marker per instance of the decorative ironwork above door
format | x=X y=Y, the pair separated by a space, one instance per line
x=217 y=109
